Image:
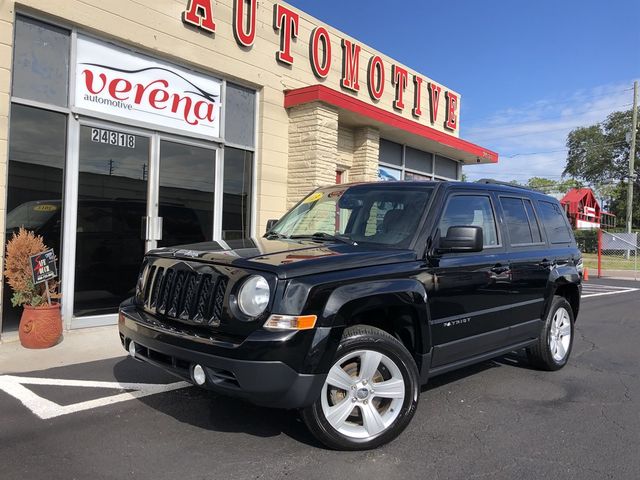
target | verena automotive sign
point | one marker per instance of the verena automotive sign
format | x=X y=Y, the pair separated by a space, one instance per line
x=117 y=82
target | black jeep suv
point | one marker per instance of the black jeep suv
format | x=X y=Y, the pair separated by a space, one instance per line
x=357 y=296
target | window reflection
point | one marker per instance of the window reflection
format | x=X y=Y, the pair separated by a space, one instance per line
x=186 y=193
x=35 y=183
x=236 y=215
x=112 y=193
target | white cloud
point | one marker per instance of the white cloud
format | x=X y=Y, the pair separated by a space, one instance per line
x=530 y=139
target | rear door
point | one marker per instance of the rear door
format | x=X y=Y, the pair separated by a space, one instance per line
x=469 y=295
x=530 y=263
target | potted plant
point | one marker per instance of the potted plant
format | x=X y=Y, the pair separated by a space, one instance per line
x=41 y=321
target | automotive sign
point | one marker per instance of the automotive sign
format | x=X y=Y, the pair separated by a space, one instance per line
x=118 y=82
x=43 y=266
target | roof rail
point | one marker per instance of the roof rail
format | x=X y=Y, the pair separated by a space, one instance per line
x=491 y=181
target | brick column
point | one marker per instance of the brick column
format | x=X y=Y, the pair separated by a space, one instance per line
x=365 y=155
x=313 y=149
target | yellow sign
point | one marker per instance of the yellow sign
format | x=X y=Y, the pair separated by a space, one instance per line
x=314 y=197
x=45 y=208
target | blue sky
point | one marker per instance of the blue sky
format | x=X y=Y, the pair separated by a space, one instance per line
x=528 y=71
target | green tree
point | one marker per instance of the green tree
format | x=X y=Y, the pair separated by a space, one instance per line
x=542 y=184
x=598 y=155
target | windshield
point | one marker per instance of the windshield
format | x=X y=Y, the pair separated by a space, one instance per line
x=32 y=215
x=373 y=213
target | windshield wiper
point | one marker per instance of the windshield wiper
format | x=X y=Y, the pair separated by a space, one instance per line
x=272 y=235
x=322 y=236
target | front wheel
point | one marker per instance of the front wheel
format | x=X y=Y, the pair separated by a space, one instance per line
x=370 y=394
x=556 y=338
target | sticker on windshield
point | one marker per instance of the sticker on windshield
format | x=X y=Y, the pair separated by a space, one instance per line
x=45 y=208
x=313 y=197
x=336 y=193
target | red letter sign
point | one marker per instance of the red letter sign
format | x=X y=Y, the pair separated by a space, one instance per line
x=399 y=77
x=286 y=21
x=240 y=25
x=320 y=68
x=417 y=96
x=452 y=106
x=376 y=77
x=434 y=100
x=350 y=65
x=200 y=14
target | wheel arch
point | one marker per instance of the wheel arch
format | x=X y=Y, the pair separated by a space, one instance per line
x=398 y=307
x=570 y=292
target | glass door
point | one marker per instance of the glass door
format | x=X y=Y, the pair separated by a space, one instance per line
x=113 y=166
x=186 y=193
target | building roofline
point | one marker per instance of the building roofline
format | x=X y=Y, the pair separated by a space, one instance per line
x=320 y=93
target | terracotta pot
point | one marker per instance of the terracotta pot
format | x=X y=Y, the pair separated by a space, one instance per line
x=40 y=327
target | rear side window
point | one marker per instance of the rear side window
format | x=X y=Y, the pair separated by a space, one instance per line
x=553 y=219
x=521 y=222
x=471 y=210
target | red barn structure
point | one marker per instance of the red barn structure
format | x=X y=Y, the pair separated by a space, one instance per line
x=584 y=211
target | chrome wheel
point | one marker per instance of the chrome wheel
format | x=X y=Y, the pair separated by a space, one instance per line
x=363 y=394
x=560 y=334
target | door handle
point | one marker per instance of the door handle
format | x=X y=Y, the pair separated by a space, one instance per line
x=499 y=268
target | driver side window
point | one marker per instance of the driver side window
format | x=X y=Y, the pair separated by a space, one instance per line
x=471 y=210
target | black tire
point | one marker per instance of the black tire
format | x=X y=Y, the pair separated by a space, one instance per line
x=541 y=354
x=357 y=339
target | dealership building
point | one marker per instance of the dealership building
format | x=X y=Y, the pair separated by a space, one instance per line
x=126 y=126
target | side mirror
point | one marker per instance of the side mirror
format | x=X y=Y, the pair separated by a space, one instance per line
x=462 y=239
x=271 y=223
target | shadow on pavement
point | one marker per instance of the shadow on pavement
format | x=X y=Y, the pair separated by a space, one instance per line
x=207 y=410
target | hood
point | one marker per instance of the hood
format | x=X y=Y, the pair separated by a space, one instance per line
x=287 y=258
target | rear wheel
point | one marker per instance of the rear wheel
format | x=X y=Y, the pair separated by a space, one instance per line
x=370 y=394
x=556 y=338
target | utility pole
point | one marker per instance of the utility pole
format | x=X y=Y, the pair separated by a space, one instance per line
x=632 y=156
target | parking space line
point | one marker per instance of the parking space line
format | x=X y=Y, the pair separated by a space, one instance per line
x=46 y=409
x=598 y=290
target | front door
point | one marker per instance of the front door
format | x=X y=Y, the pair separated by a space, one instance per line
x=137 y=190
x=469 y=298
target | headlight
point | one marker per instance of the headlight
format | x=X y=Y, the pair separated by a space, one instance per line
x=254 y=296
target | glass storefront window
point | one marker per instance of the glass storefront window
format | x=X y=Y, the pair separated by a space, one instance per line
x=35 y=182
x=240 y=112
x=186 y=193
x=236 y=214
x=41 y=62
x=390 y=152
x=446 y=167
x=112 y=200
x=413 y=164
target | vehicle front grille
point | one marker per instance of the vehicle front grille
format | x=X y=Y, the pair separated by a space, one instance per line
x=183 y=294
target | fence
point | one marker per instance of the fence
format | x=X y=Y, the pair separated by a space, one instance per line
x=617 y=254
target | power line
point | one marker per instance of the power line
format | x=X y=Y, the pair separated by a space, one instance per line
x=563 y=149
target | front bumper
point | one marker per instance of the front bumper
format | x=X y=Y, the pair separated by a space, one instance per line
x=271 y=383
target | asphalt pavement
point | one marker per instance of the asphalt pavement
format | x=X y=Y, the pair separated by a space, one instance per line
x=501 y=419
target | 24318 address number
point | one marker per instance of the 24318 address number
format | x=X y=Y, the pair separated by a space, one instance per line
x=110 y=137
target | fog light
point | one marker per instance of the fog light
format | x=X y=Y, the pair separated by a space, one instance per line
x=199 y=376
x=132 y=349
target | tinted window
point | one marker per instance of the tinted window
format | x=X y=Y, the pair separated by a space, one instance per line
x=418 y=160
x=554 y=222
x=236 y=210
x=390 y=152
x=517 y=219
x=40 y=62
x=446 y=168
x=240 y=115
x=466 y=210
x=533 y=222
